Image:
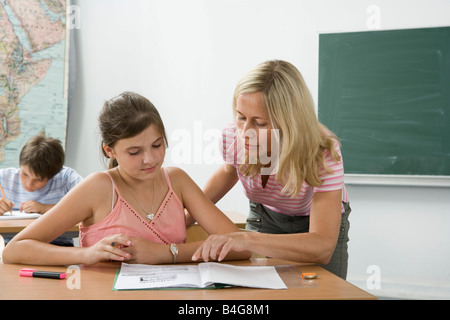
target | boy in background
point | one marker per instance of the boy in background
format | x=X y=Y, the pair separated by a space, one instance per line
x=41 y=179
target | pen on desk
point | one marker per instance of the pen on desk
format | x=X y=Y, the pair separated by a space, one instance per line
x=42 y=274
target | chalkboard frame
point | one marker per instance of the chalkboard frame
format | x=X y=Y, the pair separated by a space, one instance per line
x=374 y=178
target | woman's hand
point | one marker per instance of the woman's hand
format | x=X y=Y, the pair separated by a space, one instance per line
x=217 y=246
x=110 y=248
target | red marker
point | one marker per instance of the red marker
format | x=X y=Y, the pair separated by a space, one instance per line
x=42 y=274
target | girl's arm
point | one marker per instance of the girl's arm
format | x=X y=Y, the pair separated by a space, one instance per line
x=217 y=186
x=202 y=209
x=209 y=217
x=316 y=246
x=31 y=245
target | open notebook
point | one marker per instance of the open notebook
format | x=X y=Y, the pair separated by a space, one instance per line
x=16 y=214
x=203 y=275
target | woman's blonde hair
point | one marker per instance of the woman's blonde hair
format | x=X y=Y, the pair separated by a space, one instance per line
x=290 y=107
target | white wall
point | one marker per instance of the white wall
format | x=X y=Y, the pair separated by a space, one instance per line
x=186 y=57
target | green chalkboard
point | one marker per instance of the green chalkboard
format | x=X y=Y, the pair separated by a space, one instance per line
x=386 y=94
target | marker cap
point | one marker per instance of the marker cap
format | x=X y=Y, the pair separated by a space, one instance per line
x=26 y=272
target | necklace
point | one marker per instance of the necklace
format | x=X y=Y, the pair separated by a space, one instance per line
x=148 y=214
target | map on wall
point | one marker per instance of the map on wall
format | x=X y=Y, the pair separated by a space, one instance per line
x=33 y=74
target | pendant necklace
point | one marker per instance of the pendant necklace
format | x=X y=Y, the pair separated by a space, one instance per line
x=148 y=214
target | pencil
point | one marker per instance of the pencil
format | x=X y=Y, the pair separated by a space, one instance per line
x=3 y=194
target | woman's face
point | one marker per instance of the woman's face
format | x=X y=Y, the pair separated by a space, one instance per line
x=253 y=124
x=140 y=156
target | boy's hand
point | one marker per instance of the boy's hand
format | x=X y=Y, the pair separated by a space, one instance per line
x=5 y=205
x=32 y=206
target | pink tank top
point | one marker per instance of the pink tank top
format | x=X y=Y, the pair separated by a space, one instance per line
x=168 y=225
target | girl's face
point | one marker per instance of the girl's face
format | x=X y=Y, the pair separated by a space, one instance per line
x=253 y=124
x=30 y=181
x=140 y=156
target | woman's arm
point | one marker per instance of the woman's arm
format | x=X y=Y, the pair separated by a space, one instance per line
x=208 y=216
x=217 y=186
x=220 y=182
x=315 y=246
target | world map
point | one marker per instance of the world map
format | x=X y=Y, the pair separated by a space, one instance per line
x=33 y=74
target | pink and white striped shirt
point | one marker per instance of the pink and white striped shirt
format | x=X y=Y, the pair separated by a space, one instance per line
x=270 y=195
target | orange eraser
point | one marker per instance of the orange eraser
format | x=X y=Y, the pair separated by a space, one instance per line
x=309 y=275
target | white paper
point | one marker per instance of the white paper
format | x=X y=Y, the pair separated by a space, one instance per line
x=16 y=215
x=245 y=276
x=141 y=276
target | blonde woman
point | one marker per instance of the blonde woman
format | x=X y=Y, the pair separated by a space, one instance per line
x=291 y=169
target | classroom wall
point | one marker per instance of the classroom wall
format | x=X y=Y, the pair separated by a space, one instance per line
x=186 y=56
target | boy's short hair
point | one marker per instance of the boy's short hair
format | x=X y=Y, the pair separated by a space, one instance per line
x=43 y=155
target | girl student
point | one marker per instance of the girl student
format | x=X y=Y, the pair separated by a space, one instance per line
x=134 y=211
x=299 y=205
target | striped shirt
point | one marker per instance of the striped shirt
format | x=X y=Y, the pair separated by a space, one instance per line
x=270 y=195
x=51 y=193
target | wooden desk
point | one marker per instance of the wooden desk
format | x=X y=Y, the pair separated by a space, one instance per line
x=96 y=282
x=15 y=226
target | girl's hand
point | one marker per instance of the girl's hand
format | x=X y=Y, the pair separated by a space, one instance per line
x=218 y=246
x=109 y=248
x=147 y=252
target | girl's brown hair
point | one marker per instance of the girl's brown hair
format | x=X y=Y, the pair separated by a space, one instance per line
x=126 y=116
